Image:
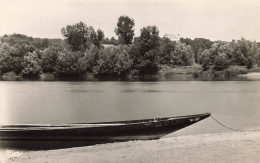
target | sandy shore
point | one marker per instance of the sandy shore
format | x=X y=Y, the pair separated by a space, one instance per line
x=251 y=75
x=222 y=147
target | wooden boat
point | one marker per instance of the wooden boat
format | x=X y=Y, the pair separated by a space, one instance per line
x=105 y=131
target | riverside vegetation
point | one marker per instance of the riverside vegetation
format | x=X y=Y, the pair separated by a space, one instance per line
x=86 y=52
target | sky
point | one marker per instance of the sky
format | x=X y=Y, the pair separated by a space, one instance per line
x=212 y=19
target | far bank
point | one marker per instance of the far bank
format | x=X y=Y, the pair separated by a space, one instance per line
x=165 y=73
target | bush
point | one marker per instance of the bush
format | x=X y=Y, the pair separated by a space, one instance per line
x=147 y=64
x=195 y=74
x=165 y=50
x=250 y=63
x=113 y=61
x=182 y=55
x=205 y=59
x=11 y=58
x=49 y=60
x=68 y=64
x=221 y=62
x=31 y=66
x=89 y=61
x=235 y=70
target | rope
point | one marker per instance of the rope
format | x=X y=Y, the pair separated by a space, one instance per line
x=230 y=127
x=225 y=125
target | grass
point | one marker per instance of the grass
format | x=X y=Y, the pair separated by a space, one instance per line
x=254 y=69
x=235 y=70
x=197 y=71
x=181 y=70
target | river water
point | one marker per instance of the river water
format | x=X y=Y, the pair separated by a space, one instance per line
x=234 y=103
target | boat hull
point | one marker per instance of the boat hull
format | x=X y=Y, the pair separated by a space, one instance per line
x=106 y=131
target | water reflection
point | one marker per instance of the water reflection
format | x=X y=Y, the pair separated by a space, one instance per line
x=168 y=77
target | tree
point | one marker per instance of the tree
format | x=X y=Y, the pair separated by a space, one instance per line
x=165 y=49
x=199 y=45
x=258 y=57
x=149 y=39
x=245 y=52
x=11 y=58
x=45 y=43
x=68 y=64
x=49 y=60
x=147 y=64
x=228 y=48
x=221 y=62
x=89 y=60
x=97 y=37
x=145 y=51
x=250 y=63
x=114 y=41
x=182 y=55
x=6 y=58
x=125 y=29
x=31 y=66
x=205 y=59
x=77 y=36
x=113 y=61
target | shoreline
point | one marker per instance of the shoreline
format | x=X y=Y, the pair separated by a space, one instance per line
x=181 y=73
x=220 y=147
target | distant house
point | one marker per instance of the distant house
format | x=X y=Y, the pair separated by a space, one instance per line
x=173 y=37
x=108 y=45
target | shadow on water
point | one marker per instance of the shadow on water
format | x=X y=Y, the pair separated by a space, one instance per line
x=35 y=145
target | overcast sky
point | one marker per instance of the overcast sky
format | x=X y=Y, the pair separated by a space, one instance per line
x=213 y=19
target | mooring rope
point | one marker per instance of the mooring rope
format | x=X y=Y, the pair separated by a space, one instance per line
x=225 y=125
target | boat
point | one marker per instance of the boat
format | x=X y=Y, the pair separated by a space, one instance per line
x=145 y=129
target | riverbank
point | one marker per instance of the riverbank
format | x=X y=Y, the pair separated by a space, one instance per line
x=221 y=147
x=194 y=72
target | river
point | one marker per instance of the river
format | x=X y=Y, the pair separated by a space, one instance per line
x=234 y=103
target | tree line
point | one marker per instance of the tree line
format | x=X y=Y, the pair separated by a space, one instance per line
x=86 y=50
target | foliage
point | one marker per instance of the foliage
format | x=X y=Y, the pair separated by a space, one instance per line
x=45 y=43
x=205 y=59
x=182 y=55
x=112 y=41
x=245 y=52
x=125 y=29
x=68 y=64
x=89 y=60
x=97 y=37
x=147 y=64
x=198 y=46
x=11 y=58
x=39 y=43
x=250 y=63
x=7 y=58
x=165 y=50
x=31 y=66
x=113 y=61
x=83 y=50
x=145 y=52
x=77 y=36
x=221 y=62
x=258 y=57
x=235 y=70
x=49 y=59
x=149 y=39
